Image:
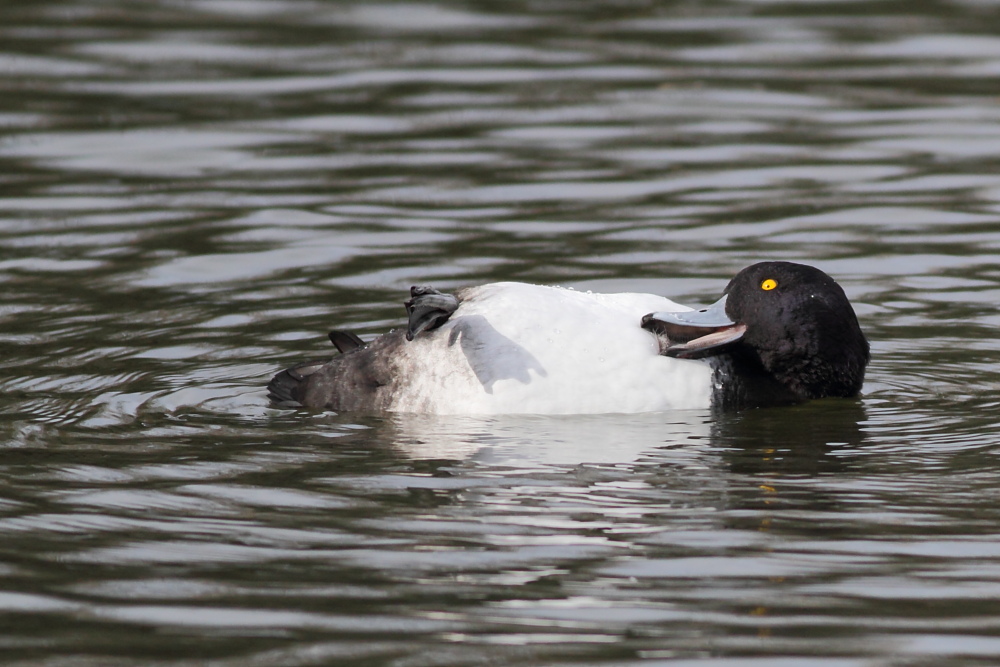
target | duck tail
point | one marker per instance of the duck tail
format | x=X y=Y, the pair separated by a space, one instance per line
x=285 y=388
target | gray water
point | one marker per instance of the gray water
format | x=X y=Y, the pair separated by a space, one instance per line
x=193 y=192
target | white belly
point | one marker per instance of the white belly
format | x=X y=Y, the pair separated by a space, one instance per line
x=516 y=348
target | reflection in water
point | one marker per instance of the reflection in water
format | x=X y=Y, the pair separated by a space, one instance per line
x=529 y=441
x=782 y=454
x=808 y=439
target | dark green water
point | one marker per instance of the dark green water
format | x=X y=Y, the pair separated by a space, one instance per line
x=193 y=192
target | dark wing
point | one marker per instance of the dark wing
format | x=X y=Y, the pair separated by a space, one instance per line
x=345 y=341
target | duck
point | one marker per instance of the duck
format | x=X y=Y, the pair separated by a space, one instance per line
x=781 y=333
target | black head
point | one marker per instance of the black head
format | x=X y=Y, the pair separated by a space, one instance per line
x=777 y=321
x=801 y=327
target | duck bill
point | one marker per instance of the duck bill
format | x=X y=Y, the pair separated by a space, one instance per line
x=695 y=334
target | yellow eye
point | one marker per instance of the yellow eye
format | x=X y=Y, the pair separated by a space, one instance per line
x=768 y=285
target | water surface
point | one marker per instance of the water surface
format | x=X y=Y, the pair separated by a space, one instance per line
x=193 y=193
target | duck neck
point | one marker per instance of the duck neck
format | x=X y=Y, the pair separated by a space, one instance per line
x=741 y=381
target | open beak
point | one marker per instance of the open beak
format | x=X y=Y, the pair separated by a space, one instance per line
x=694 y=334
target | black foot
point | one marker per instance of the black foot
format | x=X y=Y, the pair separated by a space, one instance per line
x=428 y=309
x=345 y=341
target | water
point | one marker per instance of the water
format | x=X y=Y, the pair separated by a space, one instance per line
x=193 y=193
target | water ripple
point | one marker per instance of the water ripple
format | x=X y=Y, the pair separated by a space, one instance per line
x=192 y=194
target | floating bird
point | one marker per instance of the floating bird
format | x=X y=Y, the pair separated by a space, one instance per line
x=782 y=333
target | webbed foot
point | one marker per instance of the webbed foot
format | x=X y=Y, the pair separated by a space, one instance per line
x=428 y=309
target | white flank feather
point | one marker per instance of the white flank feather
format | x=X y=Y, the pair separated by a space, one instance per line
x=516 y=348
